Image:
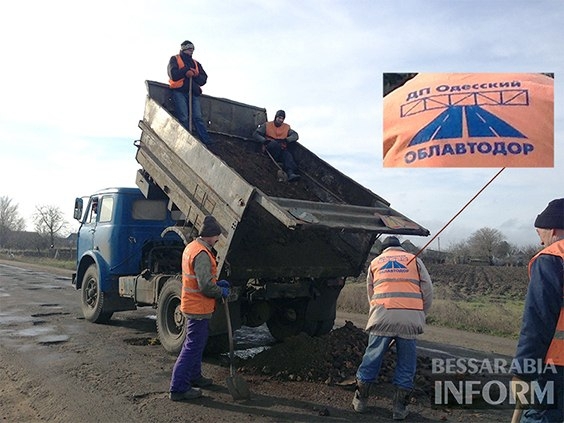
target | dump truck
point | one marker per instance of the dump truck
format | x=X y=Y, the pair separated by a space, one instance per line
x=287 y=248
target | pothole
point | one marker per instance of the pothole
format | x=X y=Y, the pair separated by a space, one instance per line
x=142 y=341
x=52 y=339
x=55 y=313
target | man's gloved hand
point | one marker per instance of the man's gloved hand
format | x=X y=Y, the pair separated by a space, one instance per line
x=224 y=292
x=191 y=73
x=223 y=283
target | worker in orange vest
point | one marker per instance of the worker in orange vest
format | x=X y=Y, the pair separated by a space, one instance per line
x=200 y=289
x=183 y=71
x=542 y=330
x=279 y=140
x=400 y=293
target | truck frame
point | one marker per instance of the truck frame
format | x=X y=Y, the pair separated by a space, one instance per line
x=287 y=254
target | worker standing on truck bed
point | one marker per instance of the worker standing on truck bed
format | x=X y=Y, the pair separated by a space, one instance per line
x=277 y=137
x=400 y=293
x=200 y=289
x=184 y=71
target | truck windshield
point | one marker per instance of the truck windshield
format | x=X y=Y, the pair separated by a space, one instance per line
x=148 y=210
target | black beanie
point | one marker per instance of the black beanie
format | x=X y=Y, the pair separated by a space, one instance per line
x=391 y=241
x=210 y=227
x=186 y=44
x=552 y=217
x=280 y=113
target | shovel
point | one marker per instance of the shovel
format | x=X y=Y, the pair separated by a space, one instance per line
x=236 y=385
x=280 y=175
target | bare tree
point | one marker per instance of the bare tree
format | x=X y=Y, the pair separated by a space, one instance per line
x=486 y=242
x=49 y=221
x=459 y=251
x=10 y=219
x=531 y=250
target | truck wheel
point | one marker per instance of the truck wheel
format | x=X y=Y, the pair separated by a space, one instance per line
x=93 y=298
x=171 y=324
x=319 y=327
x=287 y=320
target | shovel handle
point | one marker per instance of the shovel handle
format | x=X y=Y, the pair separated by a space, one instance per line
x=190 y=106
x=230 y=336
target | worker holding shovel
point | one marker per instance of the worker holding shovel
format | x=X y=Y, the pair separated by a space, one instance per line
x=186 y=78
x=277 y=138
x=200 y=289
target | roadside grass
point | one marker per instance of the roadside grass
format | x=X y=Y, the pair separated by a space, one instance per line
x=43 y=261
x=492 y=315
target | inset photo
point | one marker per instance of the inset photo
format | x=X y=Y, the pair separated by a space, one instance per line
x=468 y=120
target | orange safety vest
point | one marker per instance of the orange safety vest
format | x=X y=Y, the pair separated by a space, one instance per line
x=192 y=300
x=555 y=353
x=180 y=82
x=274 y=132
x=396 y=283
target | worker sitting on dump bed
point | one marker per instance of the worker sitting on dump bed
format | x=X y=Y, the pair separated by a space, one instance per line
x=277 y=137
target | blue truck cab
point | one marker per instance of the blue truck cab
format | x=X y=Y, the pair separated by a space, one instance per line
x=121 y=237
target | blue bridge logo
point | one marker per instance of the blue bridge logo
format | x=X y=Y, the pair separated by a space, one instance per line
x=393 y=264
x=460 y=108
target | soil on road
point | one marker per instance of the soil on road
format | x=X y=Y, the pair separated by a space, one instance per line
x=55 y=366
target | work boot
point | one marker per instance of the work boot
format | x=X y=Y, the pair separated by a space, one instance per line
x=190 y=394
x=360 y=399
x=401 y=400
x=202 y=382
x=293 y=176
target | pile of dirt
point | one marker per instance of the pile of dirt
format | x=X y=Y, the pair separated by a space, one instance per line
x=258 y=169
x=332 y=359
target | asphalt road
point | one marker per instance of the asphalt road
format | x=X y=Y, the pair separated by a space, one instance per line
x=57 y=367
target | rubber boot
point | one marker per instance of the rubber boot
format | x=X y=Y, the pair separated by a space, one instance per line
x=360 y=399
x=401 y=400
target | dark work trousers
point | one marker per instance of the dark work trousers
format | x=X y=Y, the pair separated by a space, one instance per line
x=188 y=366
x=283 y=156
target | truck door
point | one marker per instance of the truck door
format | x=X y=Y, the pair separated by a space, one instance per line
x=93 y=234
x=88 y=227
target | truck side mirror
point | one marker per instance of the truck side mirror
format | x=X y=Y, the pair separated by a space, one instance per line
x=78 y=205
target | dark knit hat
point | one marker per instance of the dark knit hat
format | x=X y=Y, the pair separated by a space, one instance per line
x=210 y=227
x=186 y=44
x=552 y=217
x=391 y=241
x=280 y=113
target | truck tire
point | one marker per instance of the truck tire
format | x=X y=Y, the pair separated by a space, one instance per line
x=92 y=298
x=319 y=327
x=288 y=319
x=171 y=323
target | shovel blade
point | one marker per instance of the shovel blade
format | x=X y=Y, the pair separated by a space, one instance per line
x=281 y=176
x=238 y=387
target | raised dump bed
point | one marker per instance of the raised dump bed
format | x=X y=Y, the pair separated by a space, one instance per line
x=322 y=226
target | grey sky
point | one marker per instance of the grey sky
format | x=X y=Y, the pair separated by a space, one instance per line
x=73 y=90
